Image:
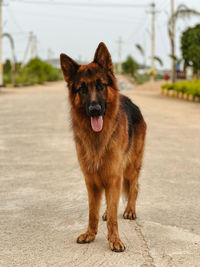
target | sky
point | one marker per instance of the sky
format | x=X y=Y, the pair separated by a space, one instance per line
x=77 y=30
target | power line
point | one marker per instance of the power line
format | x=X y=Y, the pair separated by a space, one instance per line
x=163 y=4
x=95 y=16
x=46 y=16
x=78 y=4
x=12 y=16
x=163 y=40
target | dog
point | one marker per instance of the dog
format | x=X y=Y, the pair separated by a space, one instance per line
x=109 y=134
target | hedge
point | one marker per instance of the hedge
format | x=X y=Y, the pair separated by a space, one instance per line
x=186 y=87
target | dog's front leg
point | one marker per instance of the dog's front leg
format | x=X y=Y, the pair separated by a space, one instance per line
x=112 y=198
x=94 y=199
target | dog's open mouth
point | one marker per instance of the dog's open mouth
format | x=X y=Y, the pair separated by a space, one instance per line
x=97 y=123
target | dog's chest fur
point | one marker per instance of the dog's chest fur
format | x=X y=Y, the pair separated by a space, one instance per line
x=93 y=152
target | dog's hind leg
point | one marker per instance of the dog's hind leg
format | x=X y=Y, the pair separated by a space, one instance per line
x=94 y=199
x=130 y=184
x=131 y=174
x=131 y=188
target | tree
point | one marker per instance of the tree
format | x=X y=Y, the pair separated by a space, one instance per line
x=182 y=12
x=129 y=66
x=190 y=47
x=159 y=60
x=7 y=67
x=7 y=71
x=141 y=50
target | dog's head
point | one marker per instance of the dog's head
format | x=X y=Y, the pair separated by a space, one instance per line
x=91 y=87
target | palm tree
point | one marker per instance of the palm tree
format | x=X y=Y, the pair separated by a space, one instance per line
x=141 y=50
x=159 y=60
x=182 y=12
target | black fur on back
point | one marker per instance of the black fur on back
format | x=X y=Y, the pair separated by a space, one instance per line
x=133 y=114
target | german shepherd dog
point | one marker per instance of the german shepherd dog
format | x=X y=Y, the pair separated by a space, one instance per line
x=109 y=133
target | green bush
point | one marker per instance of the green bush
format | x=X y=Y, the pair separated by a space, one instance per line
x=188 y=87
x=35 y=71
x=7 y=68
x=168 y=86
x=145 y=77
x=159 y=77
x=142 y=78
x=129 y=66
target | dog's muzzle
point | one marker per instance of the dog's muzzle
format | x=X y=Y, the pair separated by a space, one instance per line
x=95 y=109
x=96 y=112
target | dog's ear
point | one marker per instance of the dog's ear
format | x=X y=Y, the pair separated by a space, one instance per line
x=69 y=67
x=103 y=57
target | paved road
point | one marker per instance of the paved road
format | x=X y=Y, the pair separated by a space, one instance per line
x=43 y=199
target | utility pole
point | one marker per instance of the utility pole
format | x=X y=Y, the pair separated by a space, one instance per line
x=1 y=35
x=27 y=49
x=152 y=72
x=50 y=55
x=119 y=63
x=32 y=46
x=153 y=14
x=173 y=74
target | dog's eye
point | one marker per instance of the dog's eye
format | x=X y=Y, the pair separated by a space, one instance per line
x=99 y=85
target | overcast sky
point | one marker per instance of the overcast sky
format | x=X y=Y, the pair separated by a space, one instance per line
x=77 y=31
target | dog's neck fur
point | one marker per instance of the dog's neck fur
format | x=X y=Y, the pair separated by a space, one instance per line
x=88 y=140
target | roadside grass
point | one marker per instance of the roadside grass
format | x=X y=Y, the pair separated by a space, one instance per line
x=145 y=77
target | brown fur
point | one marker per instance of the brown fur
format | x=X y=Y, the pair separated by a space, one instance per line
x=108 y=159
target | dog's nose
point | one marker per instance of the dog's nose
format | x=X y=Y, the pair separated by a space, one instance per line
x=94 y=107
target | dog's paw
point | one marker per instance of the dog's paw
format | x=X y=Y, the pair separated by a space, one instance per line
x=116 y=245
x=86 y=238
x=104 y=216
x=129 y=214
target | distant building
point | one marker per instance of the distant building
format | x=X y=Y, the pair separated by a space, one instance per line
x=143 y=69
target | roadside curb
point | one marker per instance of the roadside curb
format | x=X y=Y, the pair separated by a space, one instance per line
x=180 y=95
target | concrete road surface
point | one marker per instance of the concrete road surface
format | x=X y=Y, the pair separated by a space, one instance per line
x=43 y=198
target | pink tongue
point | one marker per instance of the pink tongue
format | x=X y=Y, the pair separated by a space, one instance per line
x=97 y=123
